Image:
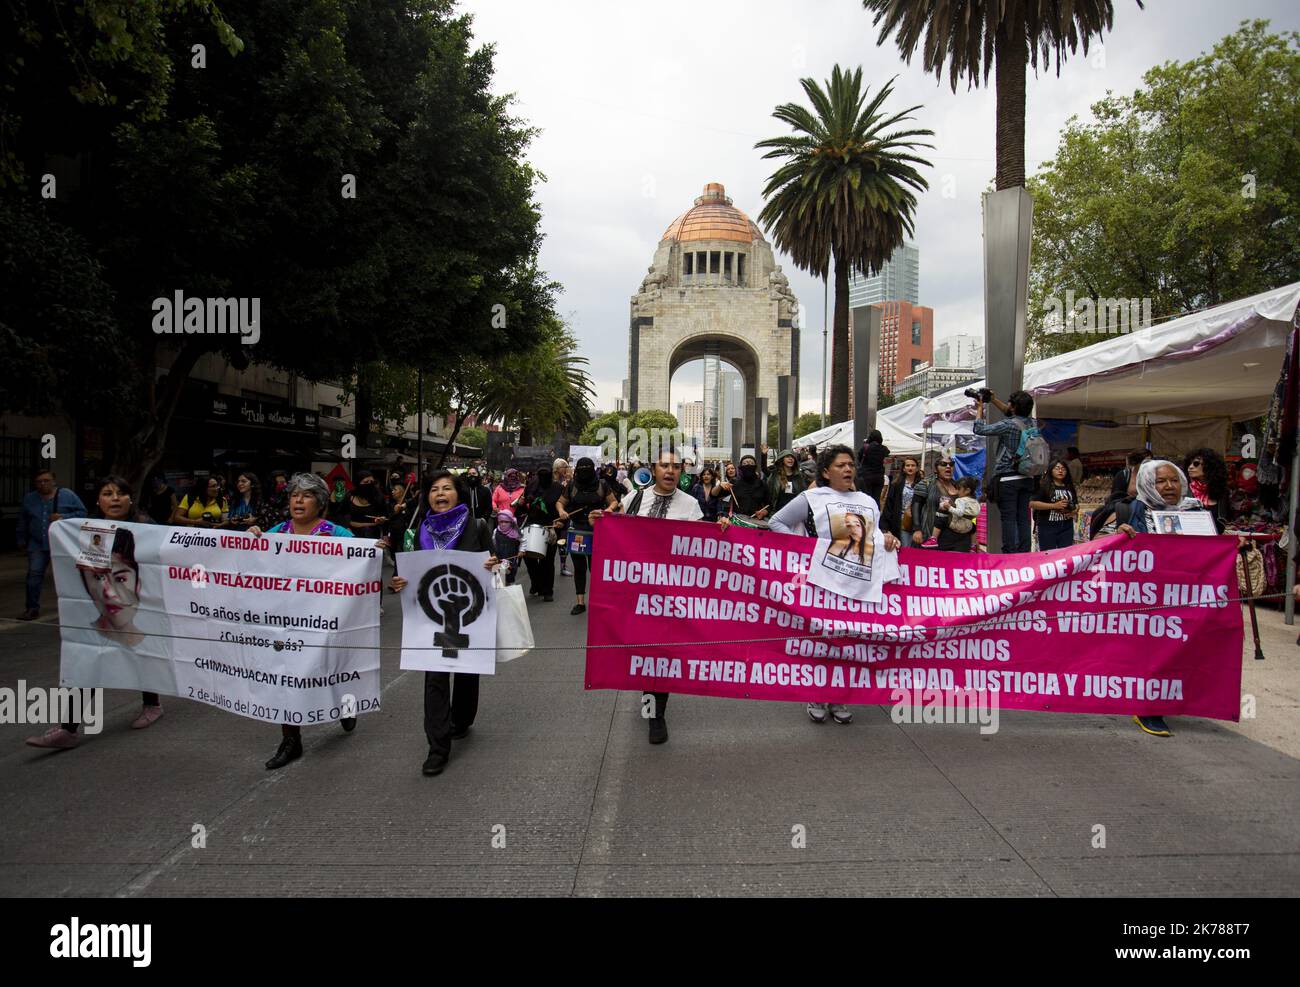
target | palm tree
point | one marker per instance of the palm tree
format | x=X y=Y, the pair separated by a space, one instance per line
x=845 y=193
x=971 y=37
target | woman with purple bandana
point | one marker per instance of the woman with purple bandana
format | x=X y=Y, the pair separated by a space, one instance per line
x=505 y=543
x=443 y=522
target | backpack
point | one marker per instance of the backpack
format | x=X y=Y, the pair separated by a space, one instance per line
x=1122 y=510
x=1033 y=453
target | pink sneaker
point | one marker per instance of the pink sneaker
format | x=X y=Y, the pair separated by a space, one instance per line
x=147 y=718
x=56 y=738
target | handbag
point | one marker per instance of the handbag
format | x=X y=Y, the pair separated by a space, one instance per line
x=514 y=629
x=1251 y=563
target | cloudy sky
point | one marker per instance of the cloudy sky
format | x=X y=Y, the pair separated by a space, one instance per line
x=640 y=105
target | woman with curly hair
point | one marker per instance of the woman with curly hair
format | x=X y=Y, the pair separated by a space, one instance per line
x=1207 y=476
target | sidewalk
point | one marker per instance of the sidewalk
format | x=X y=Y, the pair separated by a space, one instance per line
x=13 y=591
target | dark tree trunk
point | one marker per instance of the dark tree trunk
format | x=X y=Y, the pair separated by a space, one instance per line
x=137 y=452
x=525 y=434
x=840 y=345
x=1011 y=56
x=460 y=416
x=365 y=409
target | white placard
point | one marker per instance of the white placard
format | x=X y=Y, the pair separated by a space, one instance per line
x=282 y=628
x=1183 y=523
x=449 y=614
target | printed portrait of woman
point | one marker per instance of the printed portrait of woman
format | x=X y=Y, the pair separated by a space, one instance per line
x=116 y=591
x=851 y=535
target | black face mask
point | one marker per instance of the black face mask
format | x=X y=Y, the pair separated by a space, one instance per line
x=748 y=472
x=585 y=475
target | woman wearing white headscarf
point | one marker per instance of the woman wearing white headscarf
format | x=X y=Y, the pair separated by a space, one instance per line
x=1161 y=486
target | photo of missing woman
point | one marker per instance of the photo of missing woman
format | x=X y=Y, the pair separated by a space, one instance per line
x=116 y=591
x=852 y=536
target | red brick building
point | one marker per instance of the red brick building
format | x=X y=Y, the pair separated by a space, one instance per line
x=906 y=342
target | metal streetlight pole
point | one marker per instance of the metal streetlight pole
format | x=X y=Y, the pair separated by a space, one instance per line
x=419 y=434
x=825 y=298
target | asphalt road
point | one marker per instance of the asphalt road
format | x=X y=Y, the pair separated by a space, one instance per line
x=557 y=792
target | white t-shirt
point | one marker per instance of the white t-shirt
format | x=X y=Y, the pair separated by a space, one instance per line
x=681 y=505
x=850 y=557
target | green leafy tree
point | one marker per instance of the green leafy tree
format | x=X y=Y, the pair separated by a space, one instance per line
x=973 y=38
x=1185 y=193
x=472 y=435
x=807 y=423
x=232 y=185
x=845 y=193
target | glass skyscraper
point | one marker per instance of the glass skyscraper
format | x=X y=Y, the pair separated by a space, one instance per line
x=898 y=281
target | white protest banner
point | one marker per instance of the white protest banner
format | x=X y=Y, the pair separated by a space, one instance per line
x=593 y=453
x=282 y=628
x=449 y=612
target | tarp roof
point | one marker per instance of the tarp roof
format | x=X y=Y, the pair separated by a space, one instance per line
x=898 y=441
x=1224 y=362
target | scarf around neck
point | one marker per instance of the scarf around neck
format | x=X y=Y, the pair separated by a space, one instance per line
x=443 y=531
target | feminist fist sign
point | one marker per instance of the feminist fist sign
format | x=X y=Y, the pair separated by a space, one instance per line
x=452 y=597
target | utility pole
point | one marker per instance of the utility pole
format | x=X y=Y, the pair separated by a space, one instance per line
x=419 y=433
x=825 y=298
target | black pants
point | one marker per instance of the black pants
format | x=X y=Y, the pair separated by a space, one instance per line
x=661 y=703
x=580 y=565
x=446 y=712
x=541 y=572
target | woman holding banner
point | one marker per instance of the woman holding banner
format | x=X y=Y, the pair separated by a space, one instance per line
x=585 y=494
x=309 y=498
x=896 y=514
x=117 y=594
x=444 y=523
x=1161 y=486
x=835 y=474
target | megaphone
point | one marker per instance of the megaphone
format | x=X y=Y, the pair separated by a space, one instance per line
x=642 y=478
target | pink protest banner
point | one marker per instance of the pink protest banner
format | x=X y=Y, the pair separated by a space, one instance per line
x=1144 y=625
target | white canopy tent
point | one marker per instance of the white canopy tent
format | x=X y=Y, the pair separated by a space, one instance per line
x=1223 y=362
x=898 y=441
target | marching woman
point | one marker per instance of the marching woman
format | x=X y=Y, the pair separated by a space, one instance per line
x=585 y=494
x=896 y=514
x=508 y=493
x=444 y=523
x=115 y=501
x=308 y=499
x=785 y=482
x=543 y=511
x=702 y=492
x=835 y=470
x=206 y=509
x=247 y=507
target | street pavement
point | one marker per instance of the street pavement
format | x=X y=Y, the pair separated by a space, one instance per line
x=557 y=792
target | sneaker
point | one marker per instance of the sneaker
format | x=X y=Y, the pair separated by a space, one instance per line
x=564 y=572
x=578 y=608
x=56 y=739
x=29 y=615
x=817 y=712
x=290 y=749
x=434 y=764
x=658 y=730
x=147 y=718
x=1154 y=725
x=930 y=542
x=840 y=713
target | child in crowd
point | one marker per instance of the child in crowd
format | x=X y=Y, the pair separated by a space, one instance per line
x=505 y=543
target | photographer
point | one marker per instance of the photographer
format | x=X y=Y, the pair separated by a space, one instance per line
x=1011 y=488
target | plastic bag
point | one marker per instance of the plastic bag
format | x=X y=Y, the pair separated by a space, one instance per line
x=514 y=629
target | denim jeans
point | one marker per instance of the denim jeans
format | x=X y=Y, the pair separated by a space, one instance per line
x=38 y=560
x=1013 y=507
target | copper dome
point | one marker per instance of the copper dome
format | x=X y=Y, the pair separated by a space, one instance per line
x=713 y=217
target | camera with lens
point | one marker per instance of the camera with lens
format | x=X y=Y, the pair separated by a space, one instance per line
x=979 y=394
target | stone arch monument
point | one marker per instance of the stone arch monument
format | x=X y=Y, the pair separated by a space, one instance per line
x=714 y=289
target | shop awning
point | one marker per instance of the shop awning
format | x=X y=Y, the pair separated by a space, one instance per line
x=1223 y=362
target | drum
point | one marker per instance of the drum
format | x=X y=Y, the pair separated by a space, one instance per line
x=578 y=542
x=533 y=541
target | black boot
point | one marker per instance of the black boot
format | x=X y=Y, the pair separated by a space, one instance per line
x=349 y=723
x=290 y=749
x=434 y=763
x=658 y=730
